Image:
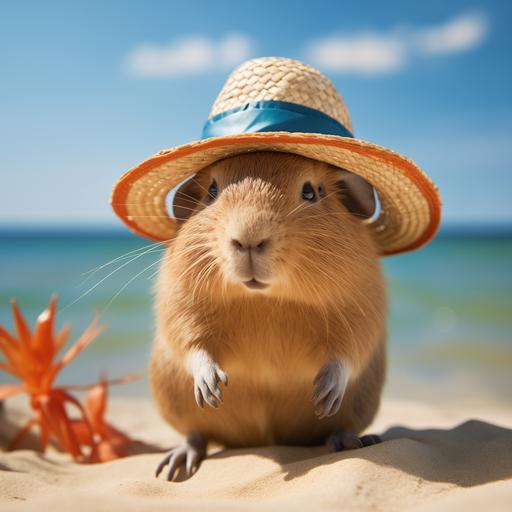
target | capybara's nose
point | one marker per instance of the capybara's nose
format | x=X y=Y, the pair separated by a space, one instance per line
x=244 y=246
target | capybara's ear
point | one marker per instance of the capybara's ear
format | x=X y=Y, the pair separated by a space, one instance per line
x=186 y=199
x=356 y=194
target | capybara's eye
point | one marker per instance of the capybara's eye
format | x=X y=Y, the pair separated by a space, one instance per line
x=212 y=190
x=308 y=192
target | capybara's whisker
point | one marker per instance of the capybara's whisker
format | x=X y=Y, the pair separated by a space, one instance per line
x=145 y=269
x=123 y=256
x=87 y=292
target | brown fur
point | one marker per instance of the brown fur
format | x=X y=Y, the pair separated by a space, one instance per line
x=327 y=301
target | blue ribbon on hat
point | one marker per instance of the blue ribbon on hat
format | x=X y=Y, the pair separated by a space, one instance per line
x=272 y=116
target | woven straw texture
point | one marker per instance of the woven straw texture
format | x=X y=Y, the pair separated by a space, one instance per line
x=410 y=203
x=274 y=78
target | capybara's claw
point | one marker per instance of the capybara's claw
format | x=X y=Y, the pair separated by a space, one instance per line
x=370 y=439
x=186 y=456
x=341 y=440
x=207 y=378
x=330 y=385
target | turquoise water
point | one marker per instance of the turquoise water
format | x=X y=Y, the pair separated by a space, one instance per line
x=450 y=330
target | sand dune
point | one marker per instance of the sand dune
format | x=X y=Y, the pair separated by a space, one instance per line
x=433 y=458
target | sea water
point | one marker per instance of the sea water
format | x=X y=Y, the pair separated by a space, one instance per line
x=450 y=308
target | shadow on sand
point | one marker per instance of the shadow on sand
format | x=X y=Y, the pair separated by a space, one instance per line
x=436 y=455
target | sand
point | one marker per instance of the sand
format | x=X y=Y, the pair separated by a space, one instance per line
x=433 y=458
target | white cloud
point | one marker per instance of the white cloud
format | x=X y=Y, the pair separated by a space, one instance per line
x=458 y=35
x=373 y=53
x=234 y=48
x=189 y=56
x=365 y=53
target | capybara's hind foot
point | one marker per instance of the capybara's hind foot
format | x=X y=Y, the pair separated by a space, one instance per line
x=341 y=440
x=186 y=456
x=370 y=439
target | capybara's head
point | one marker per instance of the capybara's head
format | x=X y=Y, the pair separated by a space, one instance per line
x=273 y=223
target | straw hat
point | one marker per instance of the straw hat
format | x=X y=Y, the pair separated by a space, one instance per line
x=277 y=104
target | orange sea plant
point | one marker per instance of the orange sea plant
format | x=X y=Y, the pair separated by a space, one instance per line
x=32 y=357
x=109 y=442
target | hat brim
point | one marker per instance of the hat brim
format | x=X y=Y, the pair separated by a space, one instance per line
x=410 y=205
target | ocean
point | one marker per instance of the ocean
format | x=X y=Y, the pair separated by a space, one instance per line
x=450 y=314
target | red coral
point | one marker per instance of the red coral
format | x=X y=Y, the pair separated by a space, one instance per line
x=31 y=358
x=109 y=442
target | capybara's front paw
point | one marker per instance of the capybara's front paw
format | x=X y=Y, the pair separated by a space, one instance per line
x=330 y=384
x=207 y=378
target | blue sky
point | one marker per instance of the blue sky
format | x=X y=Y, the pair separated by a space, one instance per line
x=89 y=89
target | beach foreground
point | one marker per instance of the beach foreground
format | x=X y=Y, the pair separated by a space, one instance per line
x=433 y=458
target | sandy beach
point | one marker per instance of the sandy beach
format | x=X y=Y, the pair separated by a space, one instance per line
x=433 y=458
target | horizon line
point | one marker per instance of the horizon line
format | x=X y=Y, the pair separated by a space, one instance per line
x=454 y=228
